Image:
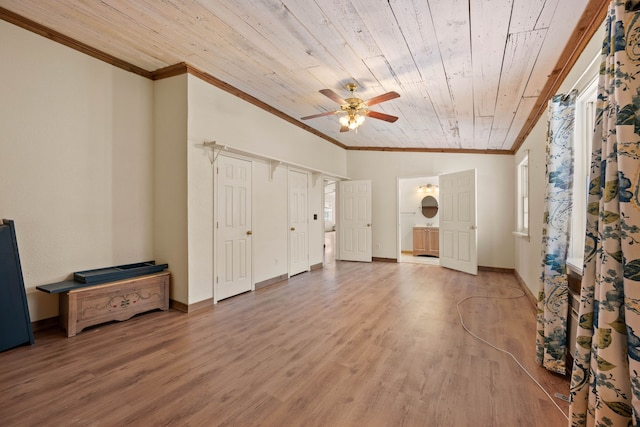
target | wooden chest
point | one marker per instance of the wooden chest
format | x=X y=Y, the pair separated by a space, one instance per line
x=119 y=300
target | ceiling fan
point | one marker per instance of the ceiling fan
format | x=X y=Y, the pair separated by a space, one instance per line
x=355 y=108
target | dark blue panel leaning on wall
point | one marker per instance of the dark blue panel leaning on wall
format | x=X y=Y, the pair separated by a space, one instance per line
x=15 y=323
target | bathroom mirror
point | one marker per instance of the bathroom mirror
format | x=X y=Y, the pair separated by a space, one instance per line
x=429 y=206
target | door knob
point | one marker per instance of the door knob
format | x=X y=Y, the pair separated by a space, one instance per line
x=249 y=233
x=293 y=229
x=473 y=227
x=368 y=225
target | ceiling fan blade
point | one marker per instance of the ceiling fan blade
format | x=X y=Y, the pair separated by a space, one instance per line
x=381 y=98
x=333 y=96
x=313 y=116
x=344 y=129
x=382 y=116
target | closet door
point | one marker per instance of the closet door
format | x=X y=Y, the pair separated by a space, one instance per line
x=298 y=222
x=15 y=323
x=234 y=255
x=354 y=224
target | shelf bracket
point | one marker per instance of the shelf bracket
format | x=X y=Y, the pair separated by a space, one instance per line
x=213 y=145
x=273 y=166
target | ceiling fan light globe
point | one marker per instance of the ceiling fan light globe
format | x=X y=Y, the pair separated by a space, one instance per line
x=359 y=119
x=344 y=120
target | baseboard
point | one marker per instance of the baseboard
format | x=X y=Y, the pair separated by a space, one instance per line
x=190 y=308
x=42 y=324
x=526 y=290
x=271 y=281
x=316 y=266
x=180 y=306
x=496 y=269
x=377 y=259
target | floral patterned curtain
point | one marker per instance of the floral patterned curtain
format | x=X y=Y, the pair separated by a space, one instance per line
x=605 y=382
x=553 y=299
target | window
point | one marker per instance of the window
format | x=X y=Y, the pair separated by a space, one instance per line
x=328 y=211
x=582 y=143
x=329 y=201
x=523 y=196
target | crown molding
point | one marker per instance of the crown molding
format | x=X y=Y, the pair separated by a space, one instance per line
x=34 y=27
x=432 y=150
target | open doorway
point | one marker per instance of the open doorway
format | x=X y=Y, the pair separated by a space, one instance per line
x=418 y=220
x=329 y=221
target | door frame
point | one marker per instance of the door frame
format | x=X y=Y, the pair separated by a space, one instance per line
x=399 y=180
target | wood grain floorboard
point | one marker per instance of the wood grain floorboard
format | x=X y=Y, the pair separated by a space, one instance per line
x=352 y=344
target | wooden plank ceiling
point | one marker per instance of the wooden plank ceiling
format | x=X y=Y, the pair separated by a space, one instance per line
x=471 y=73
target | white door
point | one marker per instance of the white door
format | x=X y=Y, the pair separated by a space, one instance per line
x=233 y=258
x=298 y=222
x=354 y=221
x=458 y=230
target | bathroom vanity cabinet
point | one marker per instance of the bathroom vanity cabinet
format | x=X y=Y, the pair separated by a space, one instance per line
x=426 y=241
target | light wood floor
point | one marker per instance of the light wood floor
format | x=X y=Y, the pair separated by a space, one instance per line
x=353 y=344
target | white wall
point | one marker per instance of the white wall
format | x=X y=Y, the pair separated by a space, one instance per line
x=188 y=112
x=82 y=175
x=170 y=182
x=215 y=115
x=76 y=169
x=495 y=203
x=528 y=251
